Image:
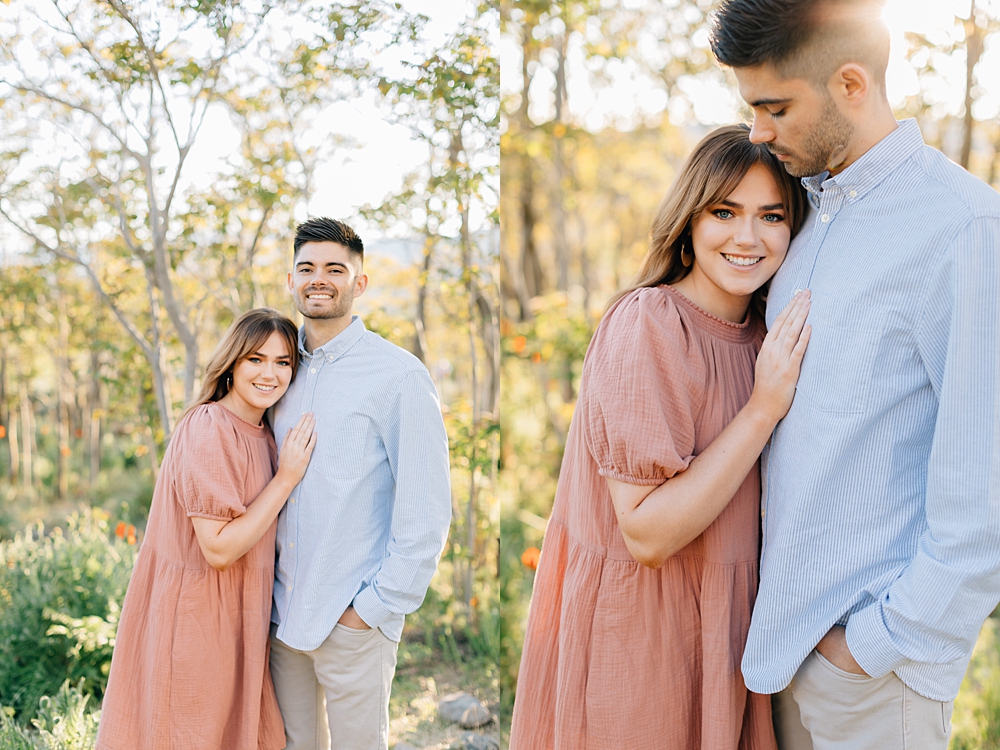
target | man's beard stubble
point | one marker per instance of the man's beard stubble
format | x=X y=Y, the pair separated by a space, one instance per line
x=341 y=306
x=826 y=145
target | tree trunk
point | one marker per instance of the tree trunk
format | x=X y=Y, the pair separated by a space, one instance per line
x=62 y=398
x=27 y=438
x=94 y=417
x=973 y=51
x=420 y=320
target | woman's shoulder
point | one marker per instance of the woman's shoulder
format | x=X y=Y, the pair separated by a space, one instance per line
x=209 y=423
x=648 y=306
x=648 y=317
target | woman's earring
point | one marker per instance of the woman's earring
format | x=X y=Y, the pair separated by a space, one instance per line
x=229 y=381
x=687 y=259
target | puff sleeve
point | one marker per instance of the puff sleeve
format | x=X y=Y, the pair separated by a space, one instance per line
x=638 y=390
x=212 y=466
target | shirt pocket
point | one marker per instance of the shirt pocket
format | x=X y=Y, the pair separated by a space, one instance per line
x=341 y=448
x=840 y=363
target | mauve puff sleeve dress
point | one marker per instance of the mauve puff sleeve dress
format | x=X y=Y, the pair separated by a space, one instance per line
x=190 y=665
x=618 y=655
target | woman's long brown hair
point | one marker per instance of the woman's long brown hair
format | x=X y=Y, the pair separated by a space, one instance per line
x=245 y=336
x=715 y=168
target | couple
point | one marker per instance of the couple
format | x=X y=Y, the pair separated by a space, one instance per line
x=349 y=539
x=878 y=492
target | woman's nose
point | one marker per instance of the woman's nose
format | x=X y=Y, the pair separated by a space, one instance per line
x=746 y=233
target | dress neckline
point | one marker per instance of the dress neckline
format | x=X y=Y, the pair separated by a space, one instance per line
x=720 y=327
x=255 y=430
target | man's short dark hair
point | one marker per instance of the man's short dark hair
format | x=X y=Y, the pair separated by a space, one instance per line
x=807 y=39
x=325 y=229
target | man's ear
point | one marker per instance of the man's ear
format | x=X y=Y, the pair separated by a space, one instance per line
x=288 y=282
x=850 y=83
x=360 y=284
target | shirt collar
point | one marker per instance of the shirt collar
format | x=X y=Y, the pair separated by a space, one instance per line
x=874 y=165
x=338 y=344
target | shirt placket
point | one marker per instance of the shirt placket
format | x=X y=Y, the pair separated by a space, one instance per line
x=293 y=513
x=827 y=203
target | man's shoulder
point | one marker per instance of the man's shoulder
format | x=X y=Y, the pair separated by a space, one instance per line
x=962 y=195
x=396 y=360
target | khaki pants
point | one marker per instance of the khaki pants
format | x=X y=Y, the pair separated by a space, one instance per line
x=826 y=708
x=338 y=691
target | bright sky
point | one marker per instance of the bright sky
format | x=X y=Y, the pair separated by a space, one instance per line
x=629 y=96
x=383 y=154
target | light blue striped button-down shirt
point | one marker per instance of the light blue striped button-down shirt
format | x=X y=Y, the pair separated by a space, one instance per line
x=369 y=520
x=882 y=484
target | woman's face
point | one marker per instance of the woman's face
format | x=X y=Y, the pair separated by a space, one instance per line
x=740 y=242
x=260 y=379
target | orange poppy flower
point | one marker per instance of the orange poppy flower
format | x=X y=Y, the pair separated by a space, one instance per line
x=530 y=557
x=120 y=530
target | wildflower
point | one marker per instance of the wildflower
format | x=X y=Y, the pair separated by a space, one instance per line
x=130 y=534
x=120 y=530
x=530 y=557
x=518 y=344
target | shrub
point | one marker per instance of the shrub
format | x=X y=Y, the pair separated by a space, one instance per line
x=60 y=594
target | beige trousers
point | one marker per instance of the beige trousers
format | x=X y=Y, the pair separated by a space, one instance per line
x=337 y=696
x=826 y=708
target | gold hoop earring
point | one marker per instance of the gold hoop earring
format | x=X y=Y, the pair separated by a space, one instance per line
x=687 y=259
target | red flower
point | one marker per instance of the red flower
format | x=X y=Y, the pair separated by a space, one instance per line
x=120 y=530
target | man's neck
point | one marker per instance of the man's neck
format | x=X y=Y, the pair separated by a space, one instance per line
x=881 y=123
x=319 y=331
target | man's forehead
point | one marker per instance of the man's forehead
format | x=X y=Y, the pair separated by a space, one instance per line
x=326 y=251
x=762 y=85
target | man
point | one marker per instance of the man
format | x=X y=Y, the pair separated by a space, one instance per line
x=360 y=537
x=881 y=509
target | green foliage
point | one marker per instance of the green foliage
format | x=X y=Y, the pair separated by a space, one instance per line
x=60 y=595
x=62 y=723
x=976 y=718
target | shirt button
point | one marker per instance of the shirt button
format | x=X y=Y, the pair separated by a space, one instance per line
x=292 y=501
x=826 y=218
x=314 y=369
x=854 y=193
x=291 y=545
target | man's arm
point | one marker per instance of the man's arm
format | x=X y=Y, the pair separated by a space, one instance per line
x=417 y=447
x=933 y=612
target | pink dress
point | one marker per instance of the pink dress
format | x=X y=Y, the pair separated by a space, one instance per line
x=190 y=666
x=618 y=655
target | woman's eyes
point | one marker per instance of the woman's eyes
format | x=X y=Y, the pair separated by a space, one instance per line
x=723 y=213
x=773 y=218
x=258 y=360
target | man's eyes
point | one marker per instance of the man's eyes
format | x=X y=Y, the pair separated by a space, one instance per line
x=776 y=115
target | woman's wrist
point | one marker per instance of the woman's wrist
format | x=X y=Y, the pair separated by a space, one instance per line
x=286 y=480
x=761 y=413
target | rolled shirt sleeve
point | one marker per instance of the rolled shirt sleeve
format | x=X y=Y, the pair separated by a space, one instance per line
x=417 y=447
x=933 y=611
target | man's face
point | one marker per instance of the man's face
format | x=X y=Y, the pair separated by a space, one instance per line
x=799 y=123
x=325 y=280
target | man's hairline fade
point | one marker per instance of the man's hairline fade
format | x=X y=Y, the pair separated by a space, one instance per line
x=741 y=38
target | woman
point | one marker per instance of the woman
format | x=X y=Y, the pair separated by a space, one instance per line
x=190 y=666
x=644 y=589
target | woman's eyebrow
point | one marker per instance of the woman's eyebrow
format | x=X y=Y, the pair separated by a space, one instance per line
x=772 y=207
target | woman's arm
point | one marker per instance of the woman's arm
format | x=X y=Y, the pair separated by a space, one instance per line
x=225 y=542
x=657 y=521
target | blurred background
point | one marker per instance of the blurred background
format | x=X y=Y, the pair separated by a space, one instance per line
x=601 y=102
x=155 y=157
